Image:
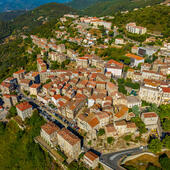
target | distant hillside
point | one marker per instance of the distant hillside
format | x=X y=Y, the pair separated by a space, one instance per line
x=154 y=18
x=82 y=4
x=5 y=29
x=41 y=14
x=34 y=18
x=111 y=6
x=8 y=5
x=7 y=16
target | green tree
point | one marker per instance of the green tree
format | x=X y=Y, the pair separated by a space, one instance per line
x=122 y=89
x=135 y=110
x=89 y=142
x=127 y=137
x=110 y=140
x=164 y=161
x=153 y=108
x=28 y=154
x=152 y=167
x=166 y=141
x=12 y=112
x=164 y=111
x=166 y=124
x=111 y=80
x=101 y=132
x=155 y=145
x=139 y=123
x=129 y=83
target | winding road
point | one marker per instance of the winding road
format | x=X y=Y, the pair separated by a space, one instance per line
x=112 y=160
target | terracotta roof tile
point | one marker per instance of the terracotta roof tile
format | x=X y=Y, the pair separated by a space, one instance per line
x=110 y=128
x=122 y=112
x=19 y=72
x=23 y=106
x=166 y=89
x=35 y=86
x=131 y=125
x=134 y=56
x=94 y=122
x=149 y=114
x=68 y=136
x=50 y=128
x=90 y=155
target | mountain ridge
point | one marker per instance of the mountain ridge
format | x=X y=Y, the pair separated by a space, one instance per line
x=10 y=5
x=111 y=6
x=82 y=4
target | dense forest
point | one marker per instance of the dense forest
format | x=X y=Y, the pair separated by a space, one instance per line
x=12 y=57
x=18 y=149
x=5 y=29
x=7 y=16
x=112 y=6
x=82 y=4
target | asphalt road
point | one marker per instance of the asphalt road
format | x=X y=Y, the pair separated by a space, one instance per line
x=112 y=159
x=50 y=114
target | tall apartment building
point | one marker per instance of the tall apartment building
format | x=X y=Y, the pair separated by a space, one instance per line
x=69 y=143
x=49 y=133
x=24 y=110
x=150 y=94
x=155 y=94
x=131 y=27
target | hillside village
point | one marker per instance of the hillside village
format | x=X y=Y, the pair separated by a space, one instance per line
x=90 y=98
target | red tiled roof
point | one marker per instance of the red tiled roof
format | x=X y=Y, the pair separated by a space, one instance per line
x=90 y=155
x=131 y=125
x=102 y=115
x=19 y=72
x=149 y=114
x=7 y=95
x=134 y=56
x=35 y=86
x=120 y=123
x=110 y=128
x=94 y=122
x=57 y=96
x=68 y=136
x=122 y=112
x=23 y=106
x=5 y=84
x=34 y=74
x=25 y=81
x=82 y=58
x=166 y=89
x=50 y=128
x=10 y=78
x=111 y=85
x=115 y=62
x=47 y=86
